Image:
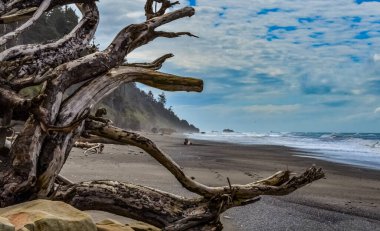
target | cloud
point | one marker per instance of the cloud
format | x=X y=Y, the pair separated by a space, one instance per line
x=377 y=110
x=373 y=86
x=272 y=109
x=376 y=57
x=135 y=14
x=337 y=103
x=273 y=52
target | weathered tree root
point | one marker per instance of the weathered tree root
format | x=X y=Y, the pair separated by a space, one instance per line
x=169 y=211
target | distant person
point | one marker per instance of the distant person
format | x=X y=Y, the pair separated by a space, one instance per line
x=187 y=142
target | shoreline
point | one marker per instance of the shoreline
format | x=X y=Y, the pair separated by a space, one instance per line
x=337 y=150
x=347 y=194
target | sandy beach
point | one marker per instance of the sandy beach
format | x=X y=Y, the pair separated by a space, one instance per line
x=347 y=199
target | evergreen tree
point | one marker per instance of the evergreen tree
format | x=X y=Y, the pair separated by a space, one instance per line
x=151 y=96
x=162 y=99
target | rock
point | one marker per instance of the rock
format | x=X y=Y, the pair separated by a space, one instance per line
x=111 y=225
x=140 y=226
x=154 y=130
x=227 y=130
x=6 y=225
x=42 y=215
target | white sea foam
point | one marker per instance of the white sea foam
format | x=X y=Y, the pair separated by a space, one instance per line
x=361 y=149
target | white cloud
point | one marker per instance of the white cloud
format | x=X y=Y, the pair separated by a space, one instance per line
x=237 y=41
x=377 y=110
x=136 y=14
x=376 y=57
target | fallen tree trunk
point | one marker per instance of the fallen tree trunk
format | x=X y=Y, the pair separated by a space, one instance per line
x=53 y=122
x=97 y=139
x=169 y=211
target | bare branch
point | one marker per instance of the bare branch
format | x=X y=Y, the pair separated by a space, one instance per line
x=11 y=35
x=97 y=139
x=278 y=184
x=95 y=90
x=21 y=14
x=155 y=65
x=137 y=35
x=28 y=65
x=61 y=180
x=15 y=10
x=10 y=99
x=97 y=147
x=159 y=80
x=73 y=72
x=152 y=13
x=173 y=34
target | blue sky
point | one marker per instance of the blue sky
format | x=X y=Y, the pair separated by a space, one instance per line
x=289 y=65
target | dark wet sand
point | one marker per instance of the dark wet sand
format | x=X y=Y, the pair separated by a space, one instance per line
x=348 y=199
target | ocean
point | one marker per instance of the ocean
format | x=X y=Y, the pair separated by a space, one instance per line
x=359 y=149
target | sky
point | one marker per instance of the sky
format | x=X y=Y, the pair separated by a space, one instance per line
x=268 y=65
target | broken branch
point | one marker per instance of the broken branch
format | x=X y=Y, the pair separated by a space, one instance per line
x=155 y=65
x=278 y=184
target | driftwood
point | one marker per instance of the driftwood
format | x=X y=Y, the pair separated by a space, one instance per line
x=30 y=168
x=94 y=147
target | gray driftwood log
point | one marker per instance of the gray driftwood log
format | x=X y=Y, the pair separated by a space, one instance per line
x=30 y=168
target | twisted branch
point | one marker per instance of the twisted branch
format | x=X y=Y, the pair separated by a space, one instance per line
x=92 y=92
x=155 y=65
x=16 y=10
x=278 y=184
x=173 y=34
x=150 y=12
x=29 y=65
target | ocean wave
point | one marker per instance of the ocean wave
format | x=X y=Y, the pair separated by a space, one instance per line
x=361 y=149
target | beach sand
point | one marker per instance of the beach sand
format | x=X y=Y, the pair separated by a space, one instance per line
x=347 y=199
